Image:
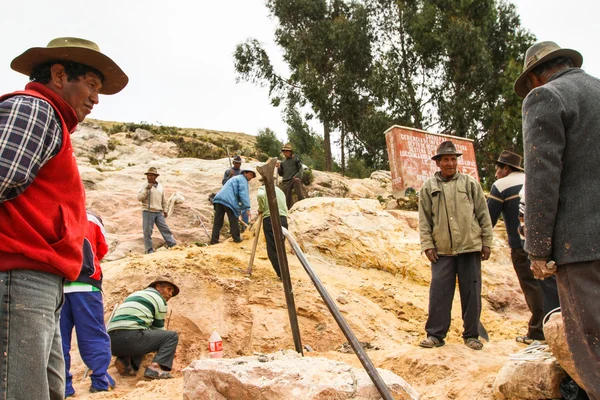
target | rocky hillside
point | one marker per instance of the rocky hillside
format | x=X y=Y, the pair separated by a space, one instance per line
x=368 y=257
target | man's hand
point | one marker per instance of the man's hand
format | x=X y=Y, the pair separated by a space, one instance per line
x=278 y=164
x=296 y=179
x=485 y=253
x=249 y=215
x=230 y=173
x=432 y=255
x=542 y=269
x=149 y=186
x=165 y=214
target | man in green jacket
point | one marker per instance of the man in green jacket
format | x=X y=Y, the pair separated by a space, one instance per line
x=290 y=171
x=263 y=209
x=456 y=234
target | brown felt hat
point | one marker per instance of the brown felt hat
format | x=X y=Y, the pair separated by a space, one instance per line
x=287 y=147
x=165 y=279
x=152 y=171
x=538 y=54
x=77 y=50
x=446 y=148
x=510 y=158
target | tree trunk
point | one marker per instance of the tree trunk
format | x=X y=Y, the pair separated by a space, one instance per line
x=342 y=145
x=327 y=143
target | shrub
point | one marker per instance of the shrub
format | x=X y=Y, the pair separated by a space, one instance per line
x=307 y=177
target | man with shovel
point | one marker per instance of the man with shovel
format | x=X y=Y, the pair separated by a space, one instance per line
x=42 y=206
x=456 y=235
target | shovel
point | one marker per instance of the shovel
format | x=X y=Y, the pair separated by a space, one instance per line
x=251 y=262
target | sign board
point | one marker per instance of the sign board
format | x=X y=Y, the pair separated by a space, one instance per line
x=410 y=151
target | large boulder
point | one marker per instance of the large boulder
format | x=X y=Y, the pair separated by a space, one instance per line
x=554 y=331
x=529 y=380
x=283 y=376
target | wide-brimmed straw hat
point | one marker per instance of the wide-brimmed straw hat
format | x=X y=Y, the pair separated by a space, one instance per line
x=538 y=54
x=165 y=279
x=510 y=158
x=287 y=147
x=249 y=170
x=446 y=148
x=152 y=171
x=77 y=50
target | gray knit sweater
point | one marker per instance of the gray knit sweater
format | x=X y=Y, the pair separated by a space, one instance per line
x=561 y=130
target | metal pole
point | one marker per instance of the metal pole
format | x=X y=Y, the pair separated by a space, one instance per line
x=382 y=388
x=266 y=171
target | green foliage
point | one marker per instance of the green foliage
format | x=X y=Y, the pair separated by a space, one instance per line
x=267 y=143
x=357 y=168
x=307 y=177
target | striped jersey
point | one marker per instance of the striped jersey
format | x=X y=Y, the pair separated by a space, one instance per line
x=504 y=199
x=145 y=309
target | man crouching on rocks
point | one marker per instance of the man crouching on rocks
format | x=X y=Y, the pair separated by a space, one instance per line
x=138 y=328
x=456 y=234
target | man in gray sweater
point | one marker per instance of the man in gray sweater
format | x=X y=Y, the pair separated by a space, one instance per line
x=561 y=129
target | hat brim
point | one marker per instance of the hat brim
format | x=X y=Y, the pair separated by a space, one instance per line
x=175 y=290
x=520 y=86
x=510 y=164
x=114 y=77
x=151 y=173
x=446 y=154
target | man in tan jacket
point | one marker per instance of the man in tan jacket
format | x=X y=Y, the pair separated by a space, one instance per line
x=154 y=210
x=456 y=234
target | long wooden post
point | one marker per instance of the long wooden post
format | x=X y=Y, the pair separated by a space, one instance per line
x=266 y=171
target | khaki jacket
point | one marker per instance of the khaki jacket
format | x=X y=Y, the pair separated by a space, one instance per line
x=157 y=201
x=453 y=216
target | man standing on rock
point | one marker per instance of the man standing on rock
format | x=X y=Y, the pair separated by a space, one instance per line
x=290 y=171
x=561 y=126
x=263 y=209
x=138 y=328
x=233 y=171
x=42 y=207
x=504 y=199
x=154 y=210
x=456 y=235
x=233 y=199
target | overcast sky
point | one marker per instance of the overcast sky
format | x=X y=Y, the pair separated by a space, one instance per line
x=178 y=54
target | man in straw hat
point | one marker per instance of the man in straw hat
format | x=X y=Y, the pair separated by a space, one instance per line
x=504 y=199
x=138 y=328
x=561 y=126
x=456 y=235
x=154 y=210
x=291 y=171
x=42 y=206
x=233 y=199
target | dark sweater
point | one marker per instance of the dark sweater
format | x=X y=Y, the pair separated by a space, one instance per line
x=290 y=168
x=561 y=130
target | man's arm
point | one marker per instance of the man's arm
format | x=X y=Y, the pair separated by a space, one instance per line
x=425 y=220
x=544 y=144
x=482 y=214
x=300 y=171
x=226 y=176
x=495 y=202
x=30 y=135
x=143 y=192
x=262 y=200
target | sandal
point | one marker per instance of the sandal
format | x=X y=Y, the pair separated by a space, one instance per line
x=474 y=344
x=123 y=365
x=432 y=342
x=152 y=374
x=525 y=340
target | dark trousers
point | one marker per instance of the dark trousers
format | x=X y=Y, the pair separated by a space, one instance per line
x=138 y=343
x=220 y=211
x=533 y=292
x=271 y=250
x=467 y=267
x=579 y=292
x=292 y=186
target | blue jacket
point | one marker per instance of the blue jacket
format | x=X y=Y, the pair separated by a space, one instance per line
x=235 y=195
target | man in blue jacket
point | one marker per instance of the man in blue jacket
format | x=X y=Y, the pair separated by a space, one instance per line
x=233 y=199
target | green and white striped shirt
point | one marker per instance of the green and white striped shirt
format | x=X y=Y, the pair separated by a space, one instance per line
x=145 y=309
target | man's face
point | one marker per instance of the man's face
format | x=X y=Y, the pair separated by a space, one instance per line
x=447 y=165
x=166 y=290
x=151 y=178
x=502 y=172
x=287 y=153
x=237 y=165
x=81 y=94
x=249 y=175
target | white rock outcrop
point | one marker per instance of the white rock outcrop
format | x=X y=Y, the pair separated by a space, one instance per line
x=285 y=376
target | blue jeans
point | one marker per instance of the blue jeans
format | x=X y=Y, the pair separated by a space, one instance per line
x=85 y=312
x=150 y=218
x=31 y=357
